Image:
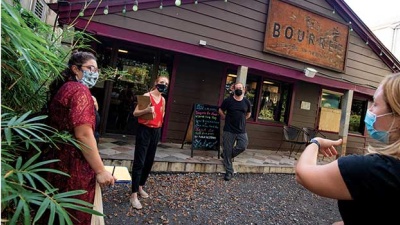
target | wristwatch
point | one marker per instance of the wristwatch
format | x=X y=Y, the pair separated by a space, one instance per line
x=315 y=142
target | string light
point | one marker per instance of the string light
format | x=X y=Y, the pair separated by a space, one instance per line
x=367 y=42
x=82 y=12
x=135 y=6
x=381 y=53
x=124 y=9
x=105 y=10
x=161 y=5
x=225 y=0
x=178 y=2
x=334 y=11
x=195 y=2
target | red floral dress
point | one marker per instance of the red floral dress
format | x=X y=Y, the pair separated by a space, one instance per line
x=73 y=106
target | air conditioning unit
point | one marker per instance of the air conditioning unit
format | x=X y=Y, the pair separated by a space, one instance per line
x=40 y=8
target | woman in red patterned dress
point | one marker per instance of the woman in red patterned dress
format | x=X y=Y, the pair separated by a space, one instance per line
x=72 y=110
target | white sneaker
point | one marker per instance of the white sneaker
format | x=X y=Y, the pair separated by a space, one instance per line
x=135 y=203
x=143 y=194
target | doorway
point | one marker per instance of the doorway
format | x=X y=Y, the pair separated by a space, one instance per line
x=136 y=68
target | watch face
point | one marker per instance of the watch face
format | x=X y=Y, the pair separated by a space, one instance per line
x=315 y=142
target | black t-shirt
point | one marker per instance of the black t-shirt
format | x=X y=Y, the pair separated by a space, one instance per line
x=235 y=120
x=97 y=126
x=374 y=183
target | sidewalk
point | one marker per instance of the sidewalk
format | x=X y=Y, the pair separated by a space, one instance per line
x=118 y=150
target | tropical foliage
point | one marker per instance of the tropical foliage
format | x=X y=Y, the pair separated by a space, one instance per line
x=32 y=57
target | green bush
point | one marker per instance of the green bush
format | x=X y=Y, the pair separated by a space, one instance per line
x=31 y=59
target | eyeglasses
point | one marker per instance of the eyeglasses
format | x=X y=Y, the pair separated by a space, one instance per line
x=92 y=68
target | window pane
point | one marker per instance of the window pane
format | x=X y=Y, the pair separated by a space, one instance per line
x=230 y=80
x=358 y=110
x=251 y=92
x=273 y=97
x=274 y=101
x=269 y=101
x=330 y=99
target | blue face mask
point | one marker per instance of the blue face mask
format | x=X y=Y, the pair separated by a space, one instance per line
x=89 y=78
x=370 y=119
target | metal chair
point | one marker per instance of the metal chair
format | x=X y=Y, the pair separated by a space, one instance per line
x=292 y=135
x=310 y=133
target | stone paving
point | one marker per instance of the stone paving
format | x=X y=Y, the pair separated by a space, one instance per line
x=118 y=150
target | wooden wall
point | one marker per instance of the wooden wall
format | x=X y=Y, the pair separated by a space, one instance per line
x=197 y=81
x=238 y=27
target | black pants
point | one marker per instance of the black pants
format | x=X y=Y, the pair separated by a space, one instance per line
x=231 y=150
x=145 y=150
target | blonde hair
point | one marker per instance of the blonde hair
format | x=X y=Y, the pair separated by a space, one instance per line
x=391 y=95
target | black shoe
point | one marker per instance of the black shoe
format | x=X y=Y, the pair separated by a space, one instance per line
x=228 y=176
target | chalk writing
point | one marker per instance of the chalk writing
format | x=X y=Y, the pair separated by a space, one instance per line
x=206 y=127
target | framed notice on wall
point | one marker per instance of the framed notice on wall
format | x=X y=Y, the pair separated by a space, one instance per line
x=296 y=33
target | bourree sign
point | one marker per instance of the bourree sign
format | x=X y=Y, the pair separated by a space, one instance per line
x=296 y=33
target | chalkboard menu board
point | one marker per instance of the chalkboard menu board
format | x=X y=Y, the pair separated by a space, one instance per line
x=204 y=128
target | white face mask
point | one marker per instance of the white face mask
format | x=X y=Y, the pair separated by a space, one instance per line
x=89 y=78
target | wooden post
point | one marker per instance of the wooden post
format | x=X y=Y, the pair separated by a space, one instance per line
x=242 y=75
x=345 y=119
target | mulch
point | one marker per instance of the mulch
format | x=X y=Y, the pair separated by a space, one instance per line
x=194 y=198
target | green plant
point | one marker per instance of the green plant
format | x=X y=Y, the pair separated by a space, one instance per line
x=112 y=74
x=21 y=181
x=354 y=123
x=31 y=58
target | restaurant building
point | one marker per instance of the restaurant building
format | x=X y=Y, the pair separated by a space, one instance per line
x=310 y=63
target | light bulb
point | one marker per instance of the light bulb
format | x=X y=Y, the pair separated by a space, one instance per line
x=334 y=11
x=178 y=2
x=367 y=42
x=81 y=13
x=124 y=10
x=105 y=10
x=161 y=6
x=195 y=2
x=135 y=8
x=225 y=0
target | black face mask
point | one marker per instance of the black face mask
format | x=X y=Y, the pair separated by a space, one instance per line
x=161 y=87
x=238 y=92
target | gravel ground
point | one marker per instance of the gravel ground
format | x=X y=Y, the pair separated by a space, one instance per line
x=194 y=198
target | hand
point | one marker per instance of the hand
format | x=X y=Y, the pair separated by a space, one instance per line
x=96 y=105
x=327 y=146
x=105 y=178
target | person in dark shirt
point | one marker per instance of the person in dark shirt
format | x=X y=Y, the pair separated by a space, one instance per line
x=235 y=109
x=367 y=187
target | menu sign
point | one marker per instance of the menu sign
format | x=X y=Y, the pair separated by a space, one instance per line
x=206 y=127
